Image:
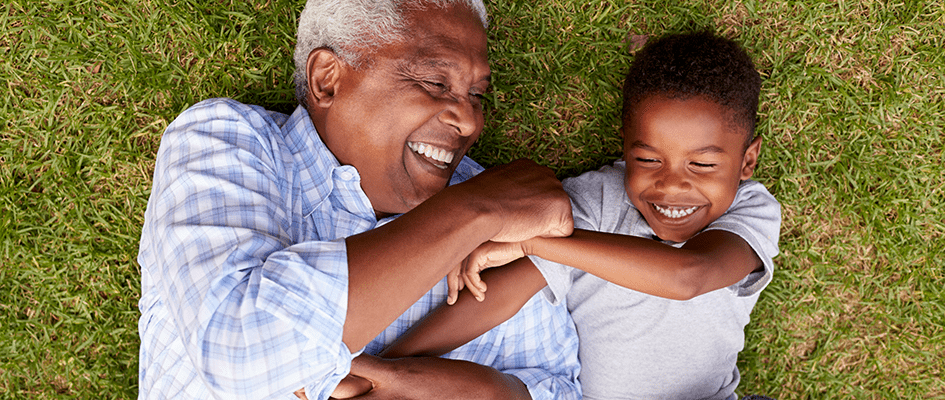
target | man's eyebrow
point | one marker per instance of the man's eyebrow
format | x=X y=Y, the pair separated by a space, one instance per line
x=437 y=63
x=430 y=62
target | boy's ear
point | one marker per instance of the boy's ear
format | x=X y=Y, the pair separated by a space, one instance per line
x=750 y=161
x=323 y=70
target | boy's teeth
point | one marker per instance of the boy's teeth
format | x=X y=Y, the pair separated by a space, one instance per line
x=674 y=212
x=433 y=152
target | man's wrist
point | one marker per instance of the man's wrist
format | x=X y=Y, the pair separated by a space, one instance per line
x=484 y=214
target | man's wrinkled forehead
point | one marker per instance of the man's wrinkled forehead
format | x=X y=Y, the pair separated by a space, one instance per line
x=436 y=48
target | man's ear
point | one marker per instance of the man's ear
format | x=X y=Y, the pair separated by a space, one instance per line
x=750 y=161
x=323 y=70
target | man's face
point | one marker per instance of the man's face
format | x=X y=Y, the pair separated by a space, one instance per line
x=685 y=160
x=406 y=120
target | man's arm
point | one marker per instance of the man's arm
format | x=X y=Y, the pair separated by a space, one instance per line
x=222 y=261
x=421 y=378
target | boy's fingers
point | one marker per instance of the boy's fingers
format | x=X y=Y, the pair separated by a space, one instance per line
x=474 y=287
x=455 y=284
x=473 y=280
x=470 y=273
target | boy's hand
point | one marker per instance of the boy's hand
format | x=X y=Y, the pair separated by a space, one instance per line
x=487 y=255
x=455 y=283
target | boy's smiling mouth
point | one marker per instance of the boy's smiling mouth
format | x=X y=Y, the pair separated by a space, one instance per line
x=439 y=157
x=674 y=212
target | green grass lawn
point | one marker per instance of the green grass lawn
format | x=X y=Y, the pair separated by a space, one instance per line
x=852 y=108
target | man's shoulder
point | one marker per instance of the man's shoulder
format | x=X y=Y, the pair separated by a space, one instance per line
x=225 y=109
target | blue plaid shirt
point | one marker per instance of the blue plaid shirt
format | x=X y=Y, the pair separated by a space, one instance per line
x=244 y=270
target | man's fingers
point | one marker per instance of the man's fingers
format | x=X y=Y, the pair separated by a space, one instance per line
x=370 y=367
x=349 y=387
x=531 y=200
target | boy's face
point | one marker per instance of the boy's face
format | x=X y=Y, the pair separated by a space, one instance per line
x=685 y=160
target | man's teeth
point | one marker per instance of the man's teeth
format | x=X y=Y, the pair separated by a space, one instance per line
x=675 y=212
x=435 y=153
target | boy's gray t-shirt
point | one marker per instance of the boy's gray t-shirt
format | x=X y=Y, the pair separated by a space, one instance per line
x=638 y=346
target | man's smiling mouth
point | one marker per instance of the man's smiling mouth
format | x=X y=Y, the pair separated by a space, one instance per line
x=439 y=157
x=675 y=212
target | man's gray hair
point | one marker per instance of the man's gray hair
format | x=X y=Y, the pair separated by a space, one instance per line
x=355 y=28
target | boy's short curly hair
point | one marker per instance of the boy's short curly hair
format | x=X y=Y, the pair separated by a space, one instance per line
x=686 y=65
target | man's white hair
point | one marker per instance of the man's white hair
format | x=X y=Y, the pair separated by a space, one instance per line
x=355 y=28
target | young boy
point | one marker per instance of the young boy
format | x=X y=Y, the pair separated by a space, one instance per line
x=672 y=246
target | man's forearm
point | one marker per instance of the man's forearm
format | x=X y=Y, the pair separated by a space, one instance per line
x=390 y=267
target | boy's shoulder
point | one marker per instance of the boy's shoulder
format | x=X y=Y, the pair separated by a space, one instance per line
x=604 y=185
x=607 y=175
x=754 y=193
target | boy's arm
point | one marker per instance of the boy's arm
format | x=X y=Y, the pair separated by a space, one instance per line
x=449 y=327
x=709 y=261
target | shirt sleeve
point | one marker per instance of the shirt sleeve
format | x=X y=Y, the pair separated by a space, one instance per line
x=755 y=216
x=259 y=314
x=587 y=195
x=538 y=345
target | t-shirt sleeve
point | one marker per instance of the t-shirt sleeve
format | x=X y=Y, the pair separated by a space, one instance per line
x=587 y=201
x=755 y=216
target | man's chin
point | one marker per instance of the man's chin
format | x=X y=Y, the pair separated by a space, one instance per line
x=410 y=200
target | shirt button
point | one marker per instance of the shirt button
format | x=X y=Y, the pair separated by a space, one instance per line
x=345 y=175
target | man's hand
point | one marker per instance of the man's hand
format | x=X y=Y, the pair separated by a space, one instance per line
x=526 y=198
x=424 y=378
x=351 y=386
x=487 y=255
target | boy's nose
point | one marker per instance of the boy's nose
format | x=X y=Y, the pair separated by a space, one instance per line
x=671 y=182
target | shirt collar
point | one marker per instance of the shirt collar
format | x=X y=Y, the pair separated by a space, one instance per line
x=322 y=177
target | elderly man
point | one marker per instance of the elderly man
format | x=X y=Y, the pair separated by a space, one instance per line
x=276 y=248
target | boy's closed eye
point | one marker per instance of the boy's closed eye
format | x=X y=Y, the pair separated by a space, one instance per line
x=703 y=165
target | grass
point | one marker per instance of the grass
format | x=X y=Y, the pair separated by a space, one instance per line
x=852 y=109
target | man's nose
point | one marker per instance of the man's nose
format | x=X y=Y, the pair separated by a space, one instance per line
x=462 y=114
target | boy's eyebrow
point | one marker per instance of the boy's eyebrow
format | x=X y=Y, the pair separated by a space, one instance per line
x=709 y=149
x=702 y=150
